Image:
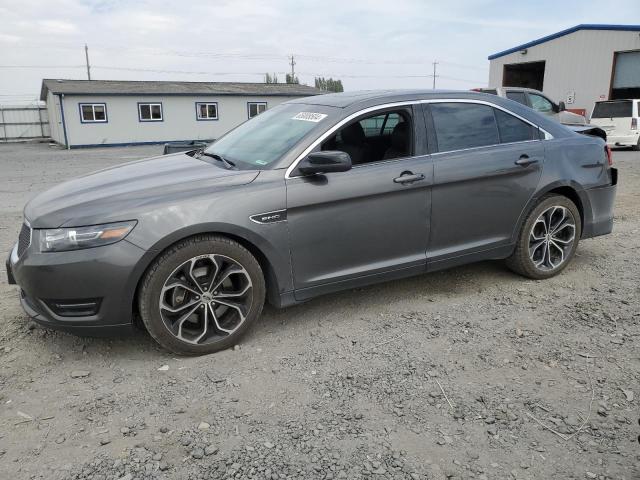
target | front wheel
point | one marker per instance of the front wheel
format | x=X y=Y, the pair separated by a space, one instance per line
x=548 y=238
x=201 y=295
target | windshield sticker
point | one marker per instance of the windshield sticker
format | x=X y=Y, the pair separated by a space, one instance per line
x=309 y=116
x=261 y=162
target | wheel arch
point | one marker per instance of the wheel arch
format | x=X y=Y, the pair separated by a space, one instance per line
x=274 y=267
x=570 y=190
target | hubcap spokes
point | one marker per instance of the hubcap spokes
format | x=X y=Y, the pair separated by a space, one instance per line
x=551 y=238
x=206 y=299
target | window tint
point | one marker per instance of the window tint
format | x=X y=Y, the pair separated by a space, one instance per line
x=618 y=109
x=513 y=129
x=540 y=104
x=517 y=97
x=463 y=125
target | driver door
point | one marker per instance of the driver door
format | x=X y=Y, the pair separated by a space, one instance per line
x=367 y=224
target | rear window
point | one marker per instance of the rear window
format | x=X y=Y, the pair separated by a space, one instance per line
x=613 y=109
x=464 y=125
x=517 y=97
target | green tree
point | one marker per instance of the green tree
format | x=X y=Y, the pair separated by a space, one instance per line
x=291 y=79
x=329 y=84
x=268 y=78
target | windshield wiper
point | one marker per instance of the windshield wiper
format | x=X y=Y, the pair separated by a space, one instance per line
x=229 y=165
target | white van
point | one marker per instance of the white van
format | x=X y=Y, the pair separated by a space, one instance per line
x=621 y=120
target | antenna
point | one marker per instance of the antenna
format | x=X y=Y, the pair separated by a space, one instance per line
x=434 y=74
x=86 y=56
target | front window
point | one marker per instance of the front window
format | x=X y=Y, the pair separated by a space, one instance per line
x=150 y=112
x=207 y=111
x=256 y=108
x=378 y=137
x=540 y=104
x=263 y=140
x=93 y=113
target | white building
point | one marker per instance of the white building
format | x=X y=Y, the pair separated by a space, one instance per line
x=580 y=65
x=88 y=113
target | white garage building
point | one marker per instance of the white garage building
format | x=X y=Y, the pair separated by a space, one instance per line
x=580 y=65
x=91 y=113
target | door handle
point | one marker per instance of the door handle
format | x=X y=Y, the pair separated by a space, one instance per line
x=525 y=160
x=409 y=177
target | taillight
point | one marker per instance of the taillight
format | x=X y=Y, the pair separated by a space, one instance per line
x=607 y=150
x=634 y=124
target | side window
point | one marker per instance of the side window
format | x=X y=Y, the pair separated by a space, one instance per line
x=540 y=104
x=513 y=129
x=93 y=113
x=463 y=125
x=206 y=111
x=374 y=138
x=150 y=112
x=517 y=97
x=256 y=108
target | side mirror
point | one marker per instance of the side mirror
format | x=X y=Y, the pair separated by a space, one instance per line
x=561 y=107
x=325 y=162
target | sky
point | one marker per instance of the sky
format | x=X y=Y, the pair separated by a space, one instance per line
x=367 y=44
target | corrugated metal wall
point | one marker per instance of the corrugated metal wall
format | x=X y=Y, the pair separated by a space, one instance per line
x=578 y=67
x=21 y=122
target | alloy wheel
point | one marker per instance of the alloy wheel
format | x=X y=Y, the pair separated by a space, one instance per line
x=206 y=299
x=552 y=237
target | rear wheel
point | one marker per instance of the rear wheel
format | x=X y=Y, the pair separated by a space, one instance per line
x=636 y=147
x=548 y=238
x=201 y=295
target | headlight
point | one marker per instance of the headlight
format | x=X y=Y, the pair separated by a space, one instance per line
x=75 y=238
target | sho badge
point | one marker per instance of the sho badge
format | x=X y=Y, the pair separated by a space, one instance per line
x=270 y=217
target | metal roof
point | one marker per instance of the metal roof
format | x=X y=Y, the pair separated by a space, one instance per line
x=586 y=26
x=135 y=87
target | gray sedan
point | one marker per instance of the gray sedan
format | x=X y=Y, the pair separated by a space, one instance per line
x=311 y=197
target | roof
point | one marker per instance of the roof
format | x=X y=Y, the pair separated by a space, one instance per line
x=347 y=99
x=143 y=87
x=586 y=26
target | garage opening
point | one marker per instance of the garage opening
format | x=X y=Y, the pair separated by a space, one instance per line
x=526 y=75
x=626 y=75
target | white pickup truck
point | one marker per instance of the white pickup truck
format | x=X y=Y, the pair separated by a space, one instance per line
x=539 y=102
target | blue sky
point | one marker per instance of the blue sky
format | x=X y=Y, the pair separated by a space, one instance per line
x=368 y=44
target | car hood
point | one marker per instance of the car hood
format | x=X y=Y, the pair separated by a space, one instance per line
x=570 y=118
x=117 y=192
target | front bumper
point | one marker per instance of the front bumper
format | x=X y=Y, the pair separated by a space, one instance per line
x=102 y=274
x=601 y=201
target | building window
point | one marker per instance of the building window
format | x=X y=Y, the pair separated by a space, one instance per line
x=256 y=108
x=206 y=111
x=93 y=112
x=150 y=112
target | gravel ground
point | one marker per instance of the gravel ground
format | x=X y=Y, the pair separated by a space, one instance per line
x=445 y=376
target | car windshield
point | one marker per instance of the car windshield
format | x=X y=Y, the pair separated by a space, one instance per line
x=612 y=109
x=263 y=140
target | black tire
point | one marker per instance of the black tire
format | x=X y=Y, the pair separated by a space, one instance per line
x=164 y=268
x=521 y=262
x=636 y=147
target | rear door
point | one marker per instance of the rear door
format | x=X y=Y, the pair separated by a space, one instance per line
x=486 y=168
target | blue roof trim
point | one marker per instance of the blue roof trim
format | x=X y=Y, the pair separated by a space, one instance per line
x=586 y=26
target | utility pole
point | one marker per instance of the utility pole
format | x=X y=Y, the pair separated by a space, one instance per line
x=86 y=56
x=293 y=71
x=434 y=74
